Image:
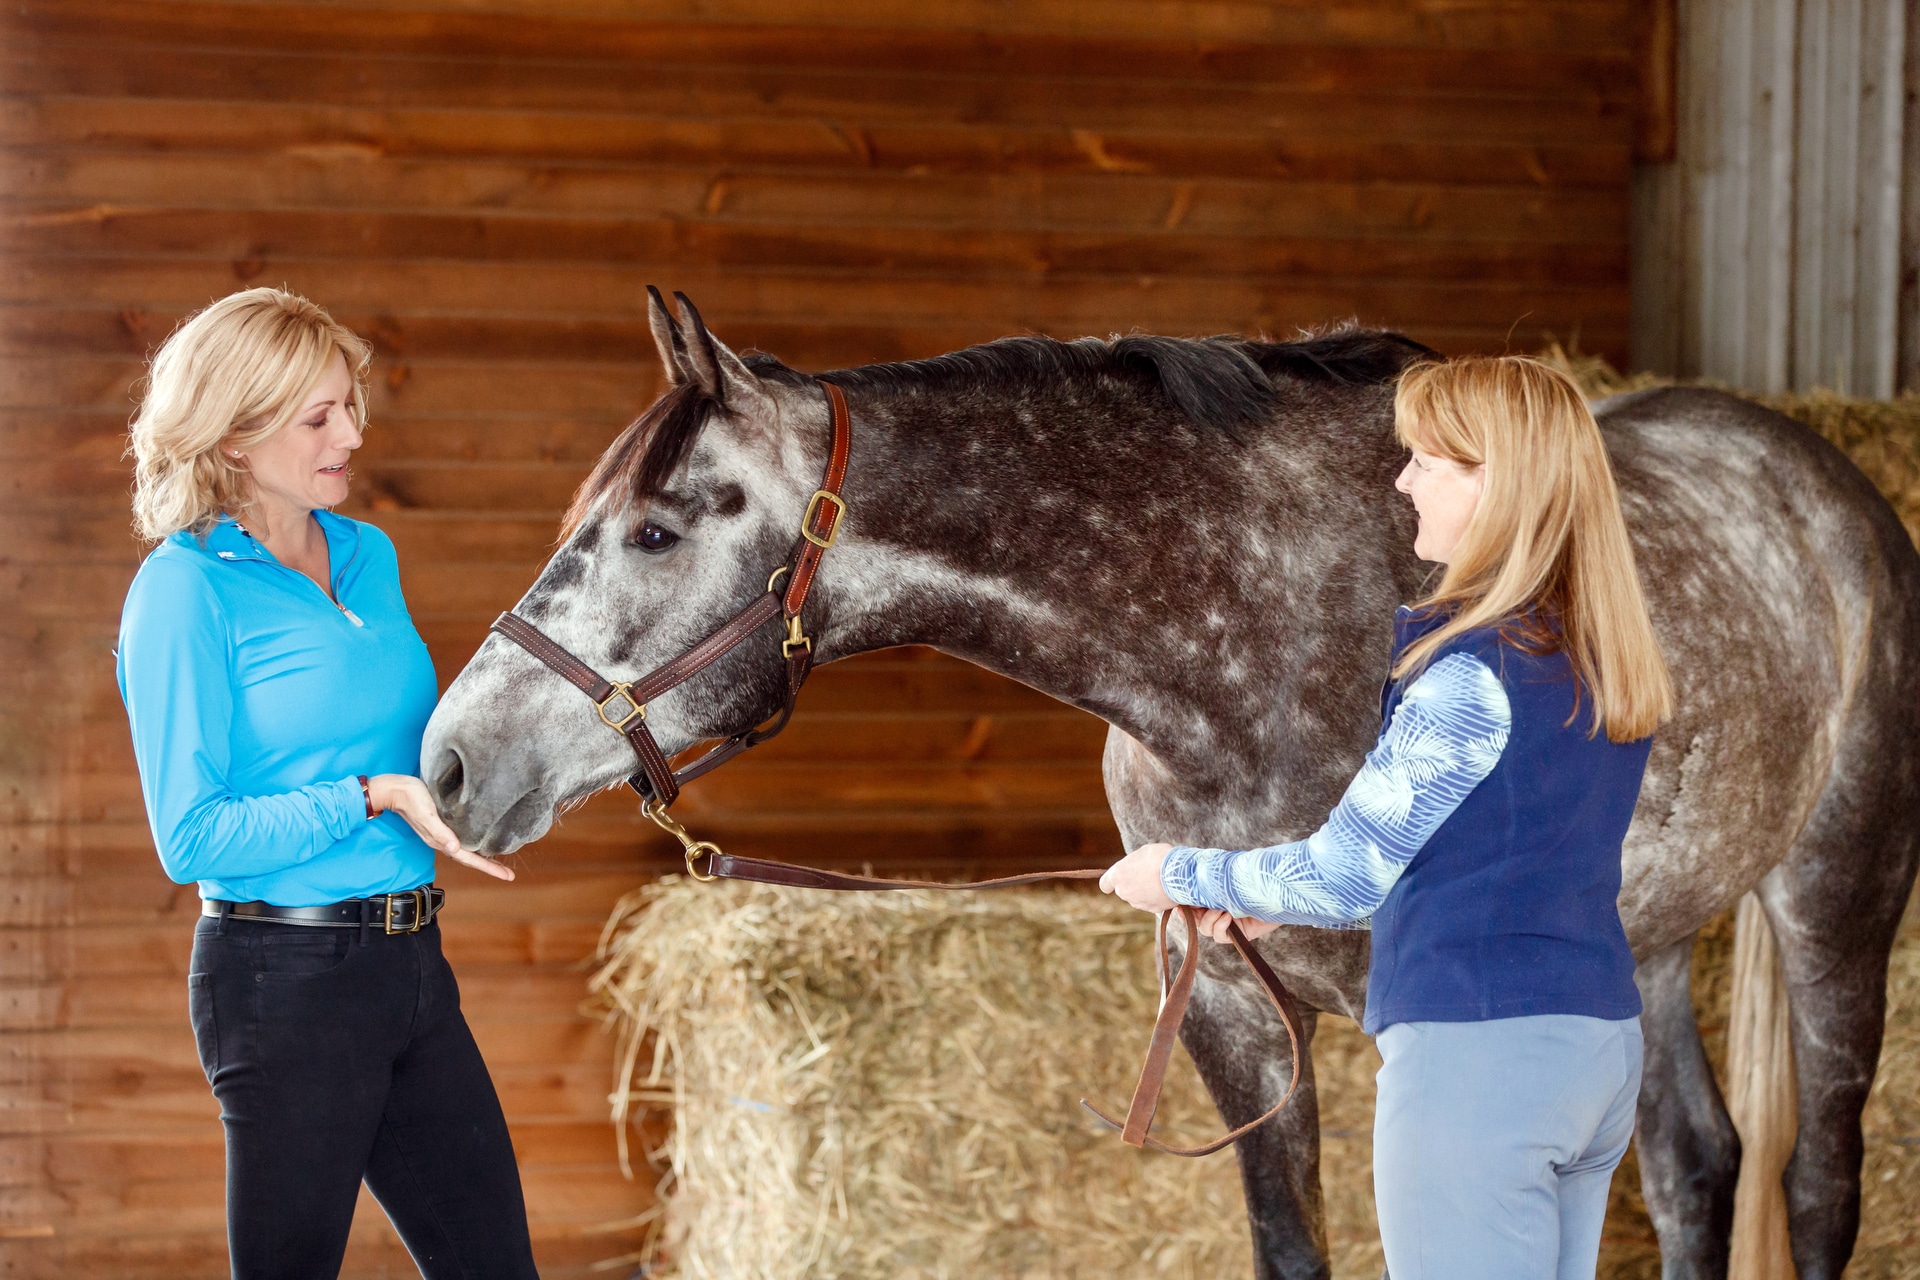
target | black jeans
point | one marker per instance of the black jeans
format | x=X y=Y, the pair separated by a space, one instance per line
x=336 y=1060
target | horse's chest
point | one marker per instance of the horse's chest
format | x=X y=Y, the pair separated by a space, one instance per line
x=1228 y=795
x=1139 y=789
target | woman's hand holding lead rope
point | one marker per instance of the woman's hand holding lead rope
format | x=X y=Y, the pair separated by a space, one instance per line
x=1136 y=879
x=1214 y=925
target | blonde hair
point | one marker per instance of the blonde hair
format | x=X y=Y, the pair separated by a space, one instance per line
x=236 y=371
x=1545 y=555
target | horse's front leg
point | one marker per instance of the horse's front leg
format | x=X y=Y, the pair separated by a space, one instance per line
x=1242 y=1052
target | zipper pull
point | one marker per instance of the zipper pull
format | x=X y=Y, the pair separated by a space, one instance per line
x=352 y=617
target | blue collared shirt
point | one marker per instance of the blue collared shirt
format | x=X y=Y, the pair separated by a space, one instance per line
x=255 y=702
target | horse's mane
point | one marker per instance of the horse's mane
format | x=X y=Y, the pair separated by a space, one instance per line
x=1224 y=383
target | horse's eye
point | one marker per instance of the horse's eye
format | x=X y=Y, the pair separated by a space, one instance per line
x=654 y=538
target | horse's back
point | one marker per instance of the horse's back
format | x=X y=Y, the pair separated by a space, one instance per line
x=1720 y=489
x=1689 y=424
x=1786 y=595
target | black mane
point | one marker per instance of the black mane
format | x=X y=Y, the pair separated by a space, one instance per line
x=1348 y=354
x=1225 y=383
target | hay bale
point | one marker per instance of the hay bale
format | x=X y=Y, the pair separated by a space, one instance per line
x=1344 y=1064
x=887 y=1085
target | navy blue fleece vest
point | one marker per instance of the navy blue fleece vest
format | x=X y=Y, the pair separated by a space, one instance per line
x=1511 y=908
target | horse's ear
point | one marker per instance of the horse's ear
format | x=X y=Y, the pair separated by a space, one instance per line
x=710 y=362
x=667 y=337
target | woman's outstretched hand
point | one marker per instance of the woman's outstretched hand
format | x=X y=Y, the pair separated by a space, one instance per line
x=1136 y=878
x=408 y=797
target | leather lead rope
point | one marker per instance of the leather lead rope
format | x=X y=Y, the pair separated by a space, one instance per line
x=1166 y=1028
x=623 y=707
x=1177 y=988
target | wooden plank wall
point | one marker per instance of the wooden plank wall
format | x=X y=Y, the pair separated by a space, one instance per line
x=483 y=187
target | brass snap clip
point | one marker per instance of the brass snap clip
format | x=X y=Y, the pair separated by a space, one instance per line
x=694 y=849
x=795 y=639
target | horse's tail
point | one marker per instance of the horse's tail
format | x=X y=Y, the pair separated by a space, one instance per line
x=1760 y=1098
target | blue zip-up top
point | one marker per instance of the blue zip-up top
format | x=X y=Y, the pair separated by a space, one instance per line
x=1482 y=837
x=255 y=703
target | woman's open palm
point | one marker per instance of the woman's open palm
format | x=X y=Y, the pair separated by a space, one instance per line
x=407 y=796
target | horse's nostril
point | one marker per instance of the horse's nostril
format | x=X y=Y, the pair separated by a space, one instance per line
x=451 y=779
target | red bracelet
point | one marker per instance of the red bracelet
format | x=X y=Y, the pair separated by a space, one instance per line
x=367 y=795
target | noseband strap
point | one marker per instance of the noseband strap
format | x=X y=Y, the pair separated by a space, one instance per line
x=623 y=707
x=623 y=704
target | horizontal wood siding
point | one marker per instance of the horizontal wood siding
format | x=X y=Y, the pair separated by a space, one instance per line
x=484 y=189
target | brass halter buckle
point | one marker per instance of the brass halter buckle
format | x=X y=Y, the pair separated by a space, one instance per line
x=694 y=849
x=813 y=507
x=622 y=692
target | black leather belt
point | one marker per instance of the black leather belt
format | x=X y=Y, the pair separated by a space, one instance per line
x=406 y=912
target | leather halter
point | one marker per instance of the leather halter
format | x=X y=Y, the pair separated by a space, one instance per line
x=623 y=704
x=623 y=708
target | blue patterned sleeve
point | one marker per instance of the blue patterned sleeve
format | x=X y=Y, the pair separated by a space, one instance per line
x=1445 y=738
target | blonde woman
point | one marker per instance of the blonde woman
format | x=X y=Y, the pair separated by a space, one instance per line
x=277 y=692
x=1482 y=838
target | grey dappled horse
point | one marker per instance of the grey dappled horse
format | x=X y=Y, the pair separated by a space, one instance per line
x=1199 y=542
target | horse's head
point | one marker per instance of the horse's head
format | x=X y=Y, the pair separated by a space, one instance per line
x=678 y=527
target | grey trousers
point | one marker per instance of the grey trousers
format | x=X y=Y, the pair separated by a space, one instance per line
x=1494 y=1144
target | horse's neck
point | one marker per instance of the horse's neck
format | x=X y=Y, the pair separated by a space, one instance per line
x=1225 y=607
